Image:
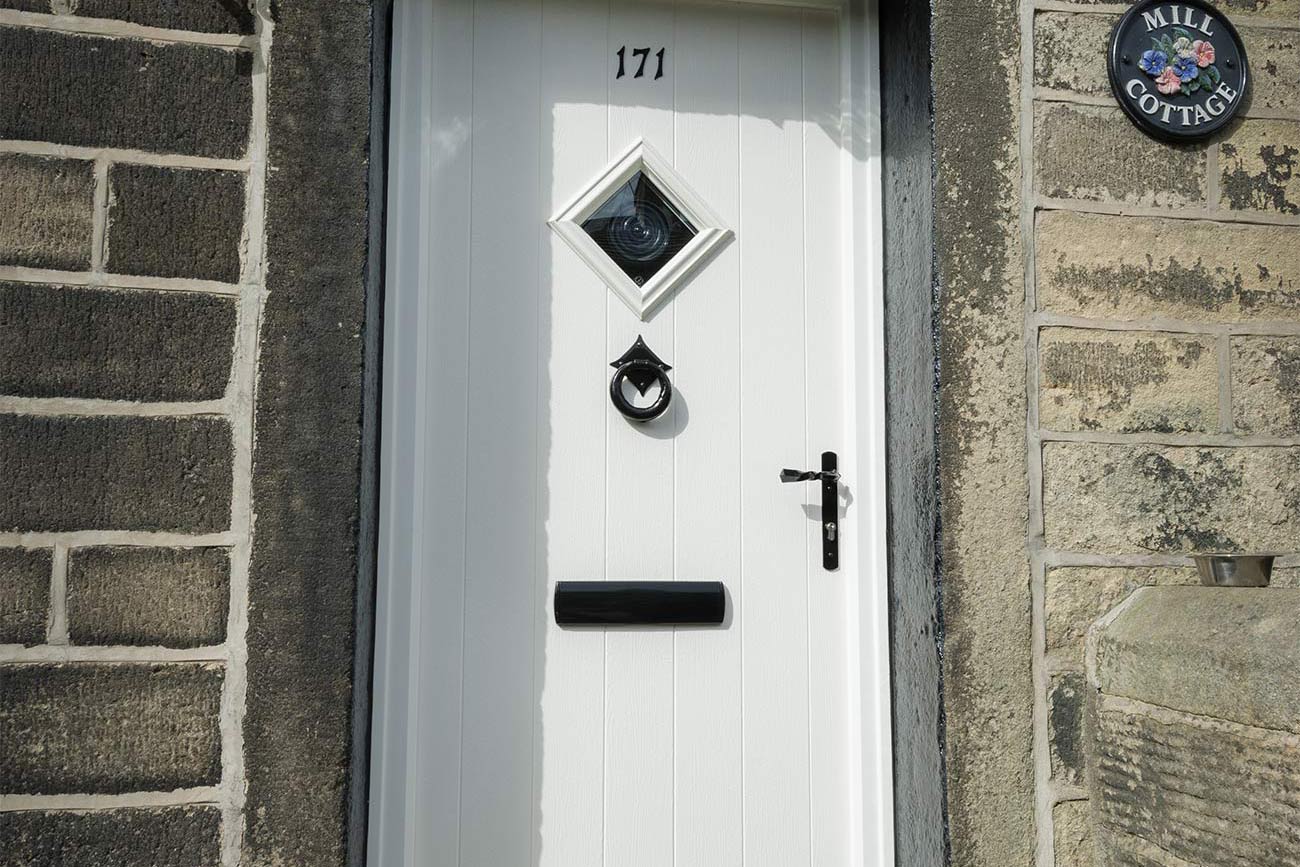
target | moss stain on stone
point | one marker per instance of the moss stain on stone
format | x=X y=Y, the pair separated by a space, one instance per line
x=1244 y=189
x=1177 y=497
x=1170 y=282
x=1105 y=369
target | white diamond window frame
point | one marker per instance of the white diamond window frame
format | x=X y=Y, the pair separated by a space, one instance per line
x=710 y=234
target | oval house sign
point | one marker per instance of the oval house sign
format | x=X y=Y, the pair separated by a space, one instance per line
x=1177 y=69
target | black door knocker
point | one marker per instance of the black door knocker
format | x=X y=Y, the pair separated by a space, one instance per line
x=641 y=367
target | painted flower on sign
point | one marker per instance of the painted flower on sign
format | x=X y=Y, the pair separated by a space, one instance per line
x=1180 y=64
x=1203 y=51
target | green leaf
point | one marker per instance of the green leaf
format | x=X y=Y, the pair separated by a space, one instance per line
x=1183 y=33
x=1214 y=73
x=1204 y=81
x=1186 y=90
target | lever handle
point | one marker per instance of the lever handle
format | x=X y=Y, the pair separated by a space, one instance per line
x=788 y=475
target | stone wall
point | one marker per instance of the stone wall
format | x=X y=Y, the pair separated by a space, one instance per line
x=1130 y=312
x=1164 y=306
x=1193 y=728
x=181 y=329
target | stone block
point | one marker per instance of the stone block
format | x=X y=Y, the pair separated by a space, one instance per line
x=1266 y=385
x=1072 y=834
x=1070 y=55
x=1240 y=10
x=1065 y=697
x=46 y=206
x=1109 y=498
x=169 y=597
x=24 y=595
x=66 y=341
x=111 y=92
x=27 y=5
x=1108 y=267
x=1075 y=596
x=133 y=837
x=169 y=222
x=1194 y=728
x=1228 y=653
x=1093 y=153
x=1070 y=52
x=109 y=728
x=115 y=473
x=1259 y=164
x=1127 y=381
x=205 y=16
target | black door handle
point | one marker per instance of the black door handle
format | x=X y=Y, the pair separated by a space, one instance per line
x=829 y=476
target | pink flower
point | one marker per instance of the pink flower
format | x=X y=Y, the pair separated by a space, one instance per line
x=1203 y=51
x=1168 y=81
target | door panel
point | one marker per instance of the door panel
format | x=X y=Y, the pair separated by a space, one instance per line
x=536 y=745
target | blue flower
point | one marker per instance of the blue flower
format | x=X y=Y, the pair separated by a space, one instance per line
x=1153 y=62
x=1185 y=68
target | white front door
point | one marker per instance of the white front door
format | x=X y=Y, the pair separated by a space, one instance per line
x=502 y=739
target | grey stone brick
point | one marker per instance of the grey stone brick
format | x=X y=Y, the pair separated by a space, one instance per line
x=46 y=207
x=1107 y=267
x=65 y=341
x=169 y=222
x=114 y=473
x=1093 y=153
x=1065 y=727
x=1072 y=834
x=1266 y=385
x=1069 y=51
x=24 y=595
x=26 y=5
x=206 y=16
x=1133 y=498
x=137 y=837
x=1077 y=595
x=111 y=92
x=109 y=728
x=170 y=597
x=1260 y=167
x=1127 y=381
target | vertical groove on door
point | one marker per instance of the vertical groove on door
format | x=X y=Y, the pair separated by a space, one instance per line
x=776 y=667
x=571 y=470
x=827 y=398
x=502 y=497
x=707 y=785
x=812 y=493
x=639 y=692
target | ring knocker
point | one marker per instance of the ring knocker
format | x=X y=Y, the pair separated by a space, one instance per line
x=641 y=367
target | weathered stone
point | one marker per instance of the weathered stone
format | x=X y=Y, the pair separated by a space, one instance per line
x=1285 y=576
x=45 y=212
x=1260 y=167
x=1077 y=595
x=169 y=222
x=109 y=728
x=115 y=473
x=1127 y=498
x=24 y=595
x=1204 y=791
x=1229 y=653
x=1072 y=834
x=1107 y=267
x=310 y=551
x=64 y=341
x=155 y=837
x=1274 y=57
x=1065 y=727
x=207 y=16
x=1194 y=728
x=1070 y=51
x=1266 y=385
x=1127 y=381
x=1094 y=154
x=111 y=92
x=172 y=597
x=1240 y=10
x=26 y=5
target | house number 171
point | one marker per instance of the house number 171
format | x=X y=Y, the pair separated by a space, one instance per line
x=644 y=55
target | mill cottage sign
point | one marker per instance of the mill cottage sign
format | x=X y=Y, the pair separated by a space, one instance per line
x=1177 y=69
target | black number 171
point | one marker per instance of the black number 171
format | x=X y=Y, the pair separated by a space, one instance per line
x=644 y=54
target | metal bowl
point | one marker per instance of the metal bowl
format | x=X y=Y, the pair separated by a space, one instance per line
x=1235 y=570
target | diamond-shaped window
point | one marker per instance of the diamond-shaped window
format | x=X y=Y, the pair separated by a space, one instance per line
x=641 y=229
